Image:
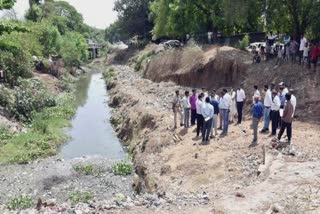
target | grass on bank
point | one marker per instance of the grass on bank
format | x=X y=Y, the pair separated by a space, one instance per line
x=43 y=137
x=20 y=203
x=80 y=197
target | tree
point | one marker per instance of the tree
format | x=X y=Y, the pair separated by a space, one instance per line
x=293 y=16
x=176 y=18
x=74 y=48
x=133 y=17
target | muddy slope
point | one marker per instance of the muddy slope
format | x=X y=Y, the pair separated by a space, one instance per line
x=214 y=68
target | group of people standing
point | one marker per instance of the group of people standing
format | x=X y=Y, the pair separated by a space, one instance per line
x=204 y=110
x=303 y=51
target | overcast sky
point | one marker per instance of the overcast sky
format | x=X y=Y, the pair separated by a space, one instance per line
x=96 y=13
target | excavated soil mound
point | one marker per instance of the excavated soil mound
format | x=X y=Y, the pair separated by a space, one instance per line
x=191 y=66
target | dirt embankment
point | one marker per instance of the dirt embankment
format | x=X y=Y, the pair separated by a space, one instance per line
x=192 y=66
x=227 y=176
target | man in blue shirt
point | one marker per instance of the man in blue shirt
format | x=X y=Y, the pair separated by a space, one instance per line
x=257 y=115
x=215 y=105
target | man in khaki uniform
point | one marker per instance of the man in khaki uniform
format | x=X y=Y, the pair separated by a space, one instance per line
x=176 y=108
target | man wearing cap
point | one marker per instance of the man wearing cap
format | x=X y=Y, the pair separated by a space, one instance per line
x=224 y=106
x=256 y=117
x=176 y=108
x=267 y=105
x=240 y=98
x=286 y=121
x=275 y=112
x=193 y=100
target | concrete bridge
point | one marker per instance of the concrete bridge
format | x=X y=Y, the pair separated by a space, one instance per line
x=93 y=49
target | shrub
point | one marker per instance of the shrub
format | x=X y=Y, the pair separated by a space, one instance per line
x=16 y=65
x=88 y=169
x=244 y=43
x=20 y=203
x=122 y=168
x=7 y=99
x=80 y=197
x=31 y=96
x=4 y=134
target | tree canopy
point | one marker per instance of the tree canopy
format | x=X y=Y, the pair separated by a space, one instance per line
x=176 y=18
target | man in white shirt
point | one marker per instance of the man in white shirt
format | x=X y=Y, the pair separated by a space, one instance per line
x=207 y=113
x=275 y=112
x=267 y=105
x=176 y=108
x=200 y=119
x=293 y=101
x=303 y=42
x=224 y=106
x=186 y=109
x=240 y=98
x=256 y=94
x=205 y=94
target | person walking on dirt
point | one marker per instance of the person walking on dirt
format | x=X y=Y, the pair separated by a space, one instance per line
x=193 y=100
x=256 y=117
x=186 y=109
x=267 y=105
x=199 y=106
x=287 y=119
x=241 y=98
x=215 y=105
x=207 y=113
x=275 y=112
x=224 y=106
x=176 y=108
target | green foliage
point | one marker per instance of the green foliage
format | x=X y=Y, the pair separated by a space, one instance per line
x=44 y=135
x=5 y=134
x=80 y=197
x=66 y=83
x=7 y=4
x=244 y=43
x=50 y=39
x=15 y=64
x=132 y=19
x=199 y=16
x=9 y=26
x=122 y=168
x=7 y=98
x=31 y=95
x=88 y=169
x=20 y=203
x=74 y=49
x=34 y=13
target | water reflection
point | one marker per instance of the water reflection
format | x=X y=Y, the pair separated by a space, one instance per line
x=91 y=132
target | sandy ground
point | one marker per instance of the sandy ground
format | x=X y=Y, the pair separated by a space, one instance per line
x=237 y=178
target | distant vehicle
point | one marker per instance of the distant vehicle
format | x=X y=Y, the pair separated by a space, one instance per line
x=255 y=46
x=172 y=44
